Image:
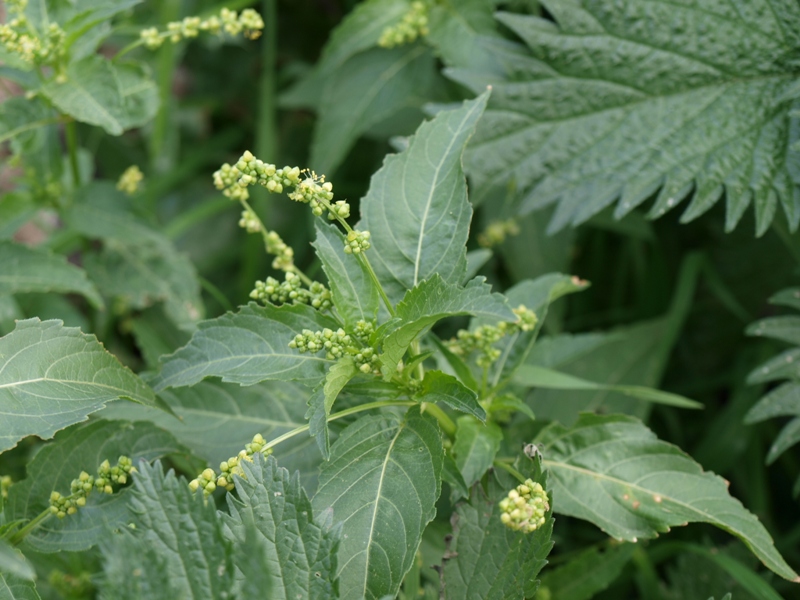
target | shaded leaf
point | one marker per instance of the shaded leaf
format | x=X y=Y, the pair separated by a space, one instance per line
x=441 y=387
x=13 y=587
x=475 y=447
x=588 y=573
x=13 y=562
x=321 y=401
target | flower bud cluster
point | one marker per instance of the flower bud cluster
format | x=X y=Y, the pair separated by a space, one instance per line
x=5 y=483
x=527 y=318
x=317 y=193
x=209 y=481
x=336 y=344
x=363 y=330
x=284 y=254
x=497 y=231
x=482 y=338
x=292 y=290
x=228 y=21
x=130 y=179
x=104 y=481
x=356 y=242
x=525 y=507
x=16 y=38
x=249 y=221
x=413 y=25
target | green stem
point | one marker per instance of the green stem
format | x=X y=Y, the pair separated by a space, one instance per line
x=30 y=526
x=509 y=469
x=445 y=422
x=72 y=148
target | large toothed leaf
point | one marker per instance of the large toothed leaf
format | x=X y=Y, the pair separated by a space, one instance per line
x=299 y=550
x=52 y=376
x=36 y=270
x=248 y=346
x=382 y=482
x=82 y=448
x=417 y=209
x=688 y=100
x=614 y=472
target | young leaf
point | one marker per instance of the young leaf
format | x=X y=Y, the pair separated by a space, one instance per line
x=614 y=472
x=652 y=97
x=417 y=209
x=475 y=447
x=321 y=401
x=354 y=294
x=77 y=449
x=441 y=387
x=13 y=587
x=382 y=483
x=588 y=573
x=37 y=270
x=432 y=300
x=300 y=551
x=52 y=376
x=249 y=346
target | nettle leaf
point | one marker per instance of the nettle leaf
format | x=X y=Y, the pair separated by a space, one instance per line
x=432 y=300
x=321 y=401
x=588 y=573
x=382 y=483
x=82 y=448
x=52 y=376
x=300 y=552
x=417 y=209
x=248 y=346
x=354 y=294
x=38 y=270
x=489 y=561
x=690 y=100
x=13 y=587
x=614 y=472
x=475 y=447
x=444 y=388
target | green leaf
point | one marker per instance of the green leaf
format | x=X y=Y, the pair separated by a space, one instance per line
x=452 y=476
x=783 y=401
x=52 y=376
x=38 y=270
x=382 y=483
x=246 y=347
x=509 y=402
x=300 y=550
x=82 y=448
x=788 y=297
x=13 y=562
x=417 y=209
x=615 y=473
x=441 y=387
x=787 y=438
x=134 y=569
x=139 y=93
x=432 y=300
x=13 y=587
x=489 y=561
x=541 y=377
x=651 y=98
x=786 y=329
x=321 y=401
x=588 y=573
x=22 y=121
x=475 y=447
x=354 y=294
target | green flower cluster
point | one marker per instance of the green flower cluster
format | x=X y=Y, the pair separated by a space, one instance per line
x=107 y=477
x=497 y=231
x=339 y=343
x=284 y=254
x=525 y=507
x=5 y=483
x=19 y=38
x=228 y=21
x=209 y=481
x=413 y=25
x=130 y=180
x=482 y=338
x=356 y=242
x=292 y=290
x=249 y=221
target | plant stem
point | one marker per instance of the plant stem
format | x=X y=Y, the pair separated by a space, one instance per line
x=445 y=422
x=72 y=148
x=509 y=469
x=15 y=539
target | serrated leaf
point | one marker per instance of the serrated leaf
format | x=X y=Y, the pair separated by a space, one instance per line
x=432 y=300
x=509 y=402
x=489 y=561
x=77 y=449
x=52 y=376
x=16 y=588
x=650 y=97
x=38 y=270
x=588 y=573
x=784 y=366
x=615 y=473
x=417 y=209
x=248 y=346
x=13 y=562
x=382 y=483
x=321 y=401
x=133 y=569
x=541 y=377
x=300 y=551
x=441 y=387
x=786 y=329
x=475 y=447
x=354 y=294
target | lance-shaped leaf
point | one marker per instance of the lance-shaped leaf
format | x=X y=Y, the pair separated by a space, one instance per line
x=441 y=387
x=652 y=97
x=475 y=447
x=77 y=449
x=52 y=376
x=382 y=482
x=321 y=401
x=588 y=573
x=249 y=346
x=300 y=552
x=417 y=209
x=432 y=300
x=36 y=270
x=13 y=587
x=489 y=561
x=354 y=294
x=614 y=472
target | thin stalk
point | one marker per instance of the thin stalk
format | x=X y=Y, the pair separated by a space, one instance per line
x=445 y=422
x=30 y=526
x=509 y=469
x=72 y=148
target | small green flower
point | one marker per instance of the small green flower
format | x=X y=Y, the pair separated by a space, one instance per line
x=5 y=483
x=130 y=179
x=356 y=242
x=525 y=508
x=497 y=231
x=209 y=481
x=412 y=25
